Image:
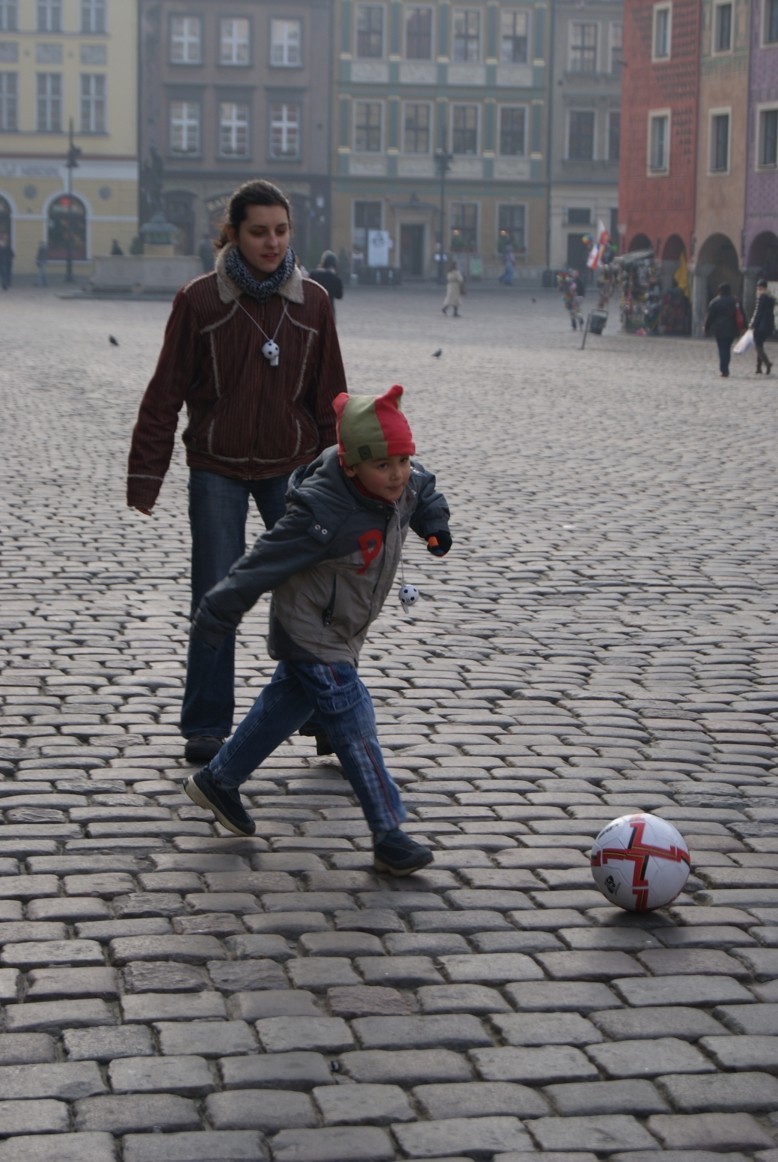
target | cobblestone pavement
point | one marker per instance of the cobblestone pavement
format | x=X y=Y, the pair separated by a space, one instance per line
x=602 y=639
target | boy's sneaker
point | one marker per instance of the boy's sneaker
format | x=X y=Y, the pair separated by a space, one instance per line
x=224 y=803
x=399 y=855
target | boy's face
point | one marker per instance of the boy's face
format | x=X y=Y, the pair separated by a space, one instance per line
x=263 y=238
x=387 y=478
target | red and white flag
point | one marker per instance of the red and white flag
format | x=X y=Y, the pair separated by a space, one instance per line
x=598 y=246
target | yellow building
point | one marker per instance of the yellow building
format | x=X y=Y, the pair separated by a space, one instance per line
x=68 y=82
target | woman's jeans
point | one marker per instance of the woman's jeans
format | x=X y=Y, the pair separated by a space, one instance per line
x=339 y=700
x=218 y=510
x=725 y=353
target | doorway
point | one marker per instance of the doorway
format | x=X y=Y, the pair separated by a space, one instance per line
x=412 y=250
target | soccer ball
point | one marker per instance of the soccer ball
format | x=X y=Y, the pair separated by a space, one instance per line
x=408 y=595
x=640 y=862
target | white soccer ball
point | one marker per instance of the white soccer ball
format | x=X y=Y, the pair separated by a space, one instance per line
x=408 y=594
x=640 y=862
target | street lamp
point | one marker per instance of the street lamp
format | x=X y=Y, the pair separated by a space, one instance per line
x=443 y=161
x=71 y=163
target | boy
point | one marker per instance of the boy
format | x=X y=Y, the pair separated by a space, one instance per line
x=330 y=562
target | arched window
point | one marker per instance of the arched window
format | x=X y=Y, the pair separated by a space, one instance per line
x=67 y=228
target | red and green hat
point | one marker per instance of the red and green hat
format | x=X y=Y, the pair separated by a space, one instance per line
x=371 y=427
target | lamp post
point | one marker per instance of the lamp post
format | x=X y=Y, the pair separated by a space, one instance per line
x=71 y=163
x=443 y=161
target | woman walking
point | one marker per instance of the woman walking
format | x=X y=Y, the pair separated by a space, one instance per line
x=454 y=289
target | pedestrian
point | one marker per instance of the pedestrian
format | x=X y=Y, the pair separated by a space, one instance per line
x=510 y=264
x=116 y=248
x=455 y=288
x=6 y=261
x=330 y=563
x=567 y=282
x=41 y=258
x=721 y=322
x=326 y=274
x=763 y=324
x=252 y=351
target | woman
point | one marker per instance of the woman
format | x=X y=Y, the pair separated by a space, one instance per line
x=720 y=321
x=454 y=284
x=251 y=350
x=763 y=324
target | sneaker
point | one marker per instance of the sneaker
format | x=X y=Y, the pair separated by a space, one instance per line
x=201 y=748
x=399 y=855
x=224 y=803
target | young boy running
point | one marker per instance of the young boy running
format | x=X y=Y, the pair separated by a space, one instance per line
x=330 y=562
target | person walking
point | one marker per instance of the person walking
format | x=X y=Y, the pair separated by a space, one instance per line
x=721 y=323
x=763 y=324
x=326 y=274
x=252 y=352
x=6 y=261
x=455 y=285
x=509 y=268
x=330 y=563
x=41 y=258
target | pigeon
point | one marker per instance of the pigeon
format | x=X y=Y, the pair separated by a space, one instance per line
x=437 y=354
x=113 y=341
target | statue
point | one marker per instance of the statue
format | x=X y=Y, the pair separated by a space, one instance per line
x=152 y=177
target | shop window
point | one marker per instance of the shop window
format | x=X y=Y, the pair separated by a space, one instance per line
x=67 y=228
x=464 y=226
x=511 y=232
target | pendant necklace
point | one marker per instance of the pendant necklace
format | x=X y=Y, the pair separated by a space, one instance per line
x=270 y=349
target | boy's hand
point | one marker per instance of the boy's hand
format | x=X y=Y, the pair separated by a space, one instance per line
x=439 y=543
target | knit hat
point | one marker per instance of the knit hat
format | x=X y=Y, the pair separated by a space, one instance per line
x=371 y=427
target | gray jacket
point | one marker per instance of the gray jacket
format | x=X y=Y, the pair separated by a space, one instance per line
x=329 y=562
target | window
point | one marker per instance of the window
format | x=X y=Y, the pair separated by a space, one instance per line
x=49 y=102
x=467 y=35
x=722 y=28
x=8 y=102
x=285 y=43
x=284 y=130
x=464 y=129
x=367 y=216
x=185 y=40
x=234 y=41
x=185 y=128
x=93 y=16
x=616 y=48
x=416 y=127
x=233 y=129
x=583 y=47
x=66 y=228
x=418 y=33
x=513 y=131
x=49 y=15
x=719 y=143
x=770 y=22
x=93 y=54
x=8 y=14
x=580 y=141
x=92 y=103
x=370 y=31
x=511 y=223
x=659 y=142
x=464 y=226
x=767 y=143
x=48 y=54
x=579 y=216
x=614 y=135
x=367 y=126
x=662 y=32
x=514 y=35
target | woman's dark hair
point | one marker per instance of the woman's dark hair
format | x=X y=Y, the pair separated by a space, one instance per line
x=255 y=193
x=724 y=289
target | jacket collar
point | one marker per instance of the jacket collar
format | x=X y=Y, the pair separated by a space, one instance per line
x=229 y=292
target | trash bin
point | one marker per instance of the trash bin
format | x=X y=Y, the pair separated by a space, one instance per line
x=597 y=320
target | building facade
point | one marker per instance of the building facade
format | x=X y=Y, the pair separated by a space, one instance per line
x=229 y=93
x=584 y=99
x=441 y=135
x=760 y=226
x=68 y=73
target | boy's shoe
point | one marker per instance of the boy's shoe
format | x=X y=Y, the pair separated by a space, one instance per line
x=399 y=855
x=201 y=748
x=224 y=803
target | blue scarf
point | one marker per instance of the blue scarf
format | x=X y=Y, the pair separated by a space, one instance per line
x=261 y=290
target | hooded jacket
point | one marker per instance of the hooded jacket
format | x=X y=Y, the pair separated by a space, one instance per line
x=763 y=318
x=330 y=563
x=245 y=419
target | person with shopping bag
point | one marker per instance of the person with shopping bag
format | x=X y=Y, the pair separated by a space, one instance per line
x=762 y=324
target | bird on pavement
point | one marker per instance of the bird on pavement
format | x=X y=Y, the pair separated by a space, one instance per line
x=437 y=354
x=113 y=341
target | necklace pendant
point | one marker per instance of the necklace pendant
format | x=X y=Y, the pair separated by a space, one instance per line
x=271 y=351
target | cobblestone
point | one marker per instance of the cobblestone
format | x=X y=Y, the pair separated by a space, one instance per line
x=601 y=640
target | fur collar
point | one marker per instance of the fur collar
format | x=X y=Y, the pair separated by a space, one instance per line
x=292 y=289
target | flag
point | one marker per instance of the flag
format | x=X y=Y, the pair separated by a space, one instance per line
x=598 y=247
x=681 y=276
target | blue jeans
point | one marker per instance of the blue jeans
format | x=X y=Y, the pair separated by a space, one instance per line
x=340 y=701
x=218 y=510
x=725 y=351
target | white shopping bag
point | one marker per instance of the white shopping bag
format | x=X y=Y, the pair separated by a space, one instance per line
x=744 y=343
